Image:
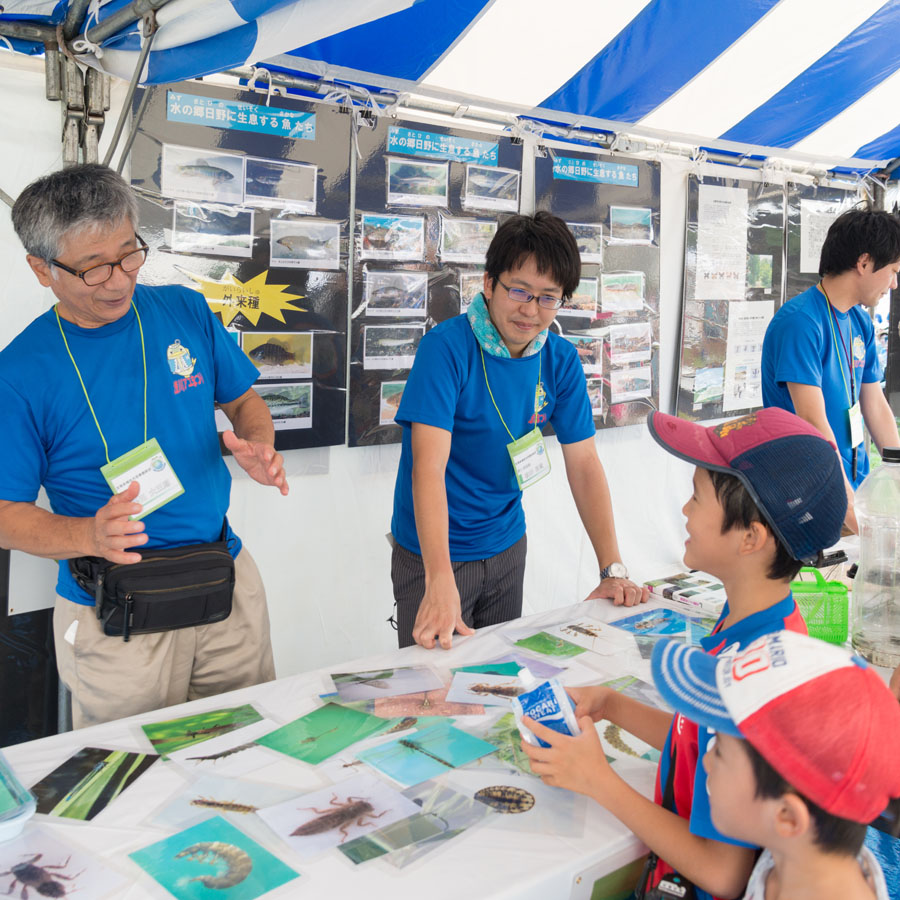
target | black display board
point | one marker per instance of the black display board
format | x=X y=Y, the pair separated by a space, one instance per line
x=250 y=204
x=703 y=365
x=614 y=318
x=422 y=224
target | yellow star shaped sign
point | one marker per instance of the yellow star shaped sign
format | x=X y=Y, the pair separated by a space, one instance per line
x=252 y=298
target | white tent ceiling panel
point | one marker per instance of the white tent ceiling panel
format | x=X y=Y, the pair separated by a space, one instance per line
x=789 y=39
x=784 y=78
x=512 y=56
x=858 y=124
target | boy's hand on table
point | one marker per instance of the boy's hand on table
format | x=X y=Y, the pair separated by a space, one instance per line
x=575 y=763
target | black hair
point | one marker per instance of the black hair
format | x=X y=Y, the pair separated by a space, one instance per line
x=544 y=237
x=740 y=511
x=832 y=834
x=856 y=232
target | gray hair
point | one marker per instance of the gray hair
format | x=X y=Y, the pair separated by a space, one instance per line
x=90 y=197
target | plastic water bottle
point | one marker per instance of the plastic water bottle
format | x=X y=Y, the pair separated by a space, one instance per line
x=876 y=588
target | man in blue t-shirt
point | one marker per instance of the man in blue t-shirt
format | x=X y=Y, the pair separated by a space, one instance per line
x=91 y=385
x=819 y=355
x=482 y=386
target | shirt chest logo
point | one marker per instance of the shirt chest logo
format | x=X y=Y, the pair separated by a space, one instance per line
x=180 y=361
x=859 y=350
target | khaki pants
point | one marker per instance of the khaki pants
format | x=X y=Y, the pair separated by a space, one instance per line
x=110 y=678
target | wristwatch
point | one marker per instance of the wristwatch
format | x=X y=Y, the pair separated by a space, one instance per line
x=613 y=570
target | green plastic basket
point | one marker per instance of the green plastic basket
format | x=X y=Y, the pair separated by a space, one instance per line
x=824 y=606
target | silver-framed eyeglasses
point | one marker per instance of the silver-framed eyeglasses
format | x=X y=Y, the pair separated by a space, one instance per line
x=95 y=275
x=522 y=296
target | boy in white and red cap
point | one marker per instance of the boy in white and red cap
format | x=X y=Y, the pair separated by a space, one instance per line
x=807 y=752
x=768 y=495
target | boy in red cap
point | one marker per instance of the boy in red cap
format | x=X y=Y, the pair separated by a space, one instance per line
x=768 y=496
x=807 y=752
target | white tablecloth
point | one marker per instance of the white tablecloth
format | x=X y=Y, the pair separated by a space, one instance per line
x=494 y=859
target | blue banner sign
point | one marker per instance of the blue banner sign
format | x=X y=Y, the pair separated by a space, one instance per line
x=441 y=146
x=238 y=116
x=599 y=171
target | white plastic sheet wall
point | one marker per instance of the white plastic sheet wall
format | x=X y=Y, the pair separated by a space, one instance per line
x=322 y=550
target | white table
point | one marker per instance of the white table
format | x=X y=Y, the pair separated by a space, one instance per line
x=494 y=859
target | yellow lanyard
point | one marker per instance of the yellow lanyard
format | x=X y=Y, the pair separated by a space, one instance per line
x=851 y=391
x=78 y=373
x=537 y=387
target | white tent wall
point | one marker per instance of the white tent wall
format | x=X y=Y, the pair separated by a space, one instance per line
x=322 y=550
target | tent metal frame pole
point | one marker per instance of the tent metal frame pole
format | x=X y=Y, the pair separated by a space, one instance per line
x=74 y=18
x=127 y=15
x=129 y=96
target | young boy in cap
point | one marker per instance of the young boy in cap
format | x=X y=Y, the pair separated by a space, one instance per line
x=768 y=495
x=806 y=753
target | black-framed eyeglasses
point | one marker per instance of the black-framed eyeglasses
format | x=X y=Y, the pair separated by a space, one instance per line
x=522 y=296
x=95 y=275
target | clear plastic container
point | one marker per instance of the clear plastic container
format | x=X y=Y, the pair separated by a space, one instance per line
x=17 y=805
x=876 y=587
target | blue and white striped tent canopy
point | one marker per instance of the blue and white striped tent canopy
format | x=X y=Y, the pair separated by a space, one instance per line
x=804 y=79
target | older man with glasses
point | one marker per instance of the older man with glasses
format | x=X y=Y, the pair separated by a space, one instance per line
x=482 y=387
x=109 y=402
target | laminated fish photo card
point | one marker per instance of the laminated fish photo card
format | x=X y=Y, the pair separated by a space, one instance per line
x=385 y=236
x=631 y=383
x=279 y=184
x=188 y=173
x=621 y=292
x=323 y=732
x=470 y=285
x=39 y=860
x=385 y=682
x=584 y=301
x=391 y=346
x=281 y=355
x=290 y=405
x=320 y=820
x=391 y=395
x=465 y=240
x=491 y=188
x=630 y=225
x=412 y=182
x=88 y=781
x=595 y=395
x=395 y=293
x=426 y=754
x=590 y=352
x=629 y=343
x=213 y=858
x=589 y=238
x=215 y=230
x=304 y=244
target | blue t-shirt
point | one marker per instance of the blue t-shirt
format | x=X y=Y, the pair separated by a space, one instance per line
x=51 y=438
x=799 y=347
x=446 y=389
x=692 y=741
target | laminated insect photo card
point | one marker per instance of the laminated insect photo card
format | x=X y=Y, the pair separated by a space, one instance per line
x=323 y=732
x=236 y=753
x=426 y=754
x=89 y=781
x=320 y=820
x=213 y=859
x=385 y=682
x=38 y=863
x=173 y=734
x=491 y=690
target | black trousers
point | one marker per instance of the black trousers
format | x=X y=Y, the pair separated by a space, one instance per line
x=490 y=590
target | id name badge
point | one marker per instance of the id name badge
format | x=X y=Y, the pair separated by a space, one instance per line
x=854 y=415
x=529 y=458
x=146 y=464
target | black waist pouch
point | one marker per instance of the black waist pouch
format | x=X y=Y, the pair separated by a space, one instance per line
x=173 y=588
